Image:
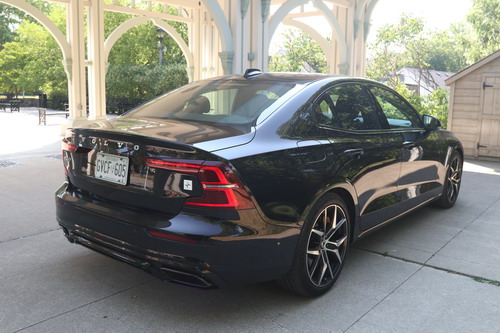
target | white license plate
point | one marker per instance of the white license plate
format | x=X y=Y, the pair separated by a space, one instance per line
x=111 y=168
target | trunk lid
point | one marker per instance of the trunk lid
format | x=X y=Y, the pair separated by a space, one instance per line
x=217 y=136
x=112 y=161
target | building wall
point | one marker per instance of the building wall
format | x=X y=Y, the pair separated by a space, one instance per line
x=466 y=95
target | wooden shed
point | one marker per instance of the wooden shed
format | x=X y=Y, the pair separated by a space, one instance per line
x=474 y=108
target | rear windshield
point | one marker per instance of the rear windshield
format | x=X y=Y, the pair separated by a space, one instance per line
x=228 y=101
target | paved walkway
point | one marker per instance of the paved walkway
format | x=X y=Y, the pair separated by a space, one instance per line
x=432 y=271
x=20 y=132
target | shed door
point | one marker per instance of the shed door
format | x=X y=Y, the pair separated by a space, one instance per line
x=489 y=137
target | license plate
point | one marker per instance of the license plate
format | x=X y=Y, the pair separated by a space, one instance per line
x=111 y=168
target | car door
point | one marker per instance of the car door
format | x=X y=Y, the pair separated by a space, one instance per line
x=363 y=153
x=420 y=155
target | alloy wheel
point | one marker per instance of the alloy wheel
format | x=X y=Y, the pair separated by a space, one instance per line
x=454 y=178
x=327 y=245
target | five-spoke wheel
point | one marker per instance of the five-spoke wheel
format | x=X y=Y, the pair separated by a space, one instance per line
x=327 y=245
x=452 y=182
x=322 y=248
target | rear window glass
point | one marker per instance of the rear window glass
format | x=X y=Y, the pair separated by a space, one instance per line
x=221 y=101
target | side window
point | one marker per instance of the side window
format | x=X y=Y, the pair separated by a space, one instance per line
x=347 y=107
x=398 y=113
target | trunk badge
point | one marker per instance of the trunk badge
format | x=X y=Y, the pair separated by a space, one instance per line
x=188 y=185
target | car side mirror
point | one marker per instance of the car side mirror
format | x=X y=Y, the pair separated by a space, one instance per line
x=430 y=122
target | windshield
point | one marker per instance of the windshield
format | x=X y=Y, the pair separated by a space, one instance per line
x=231 y=101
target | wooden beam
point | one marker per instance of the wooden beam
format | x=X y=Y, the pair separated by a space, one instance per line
x=181 y=3
x=58 y=1
x=341 y=3
x=163 y=16
x=304 y=14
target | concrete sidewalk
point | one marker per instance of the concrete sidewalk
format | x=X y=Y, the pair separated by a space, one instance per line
x=20 y=132
x=432 y=271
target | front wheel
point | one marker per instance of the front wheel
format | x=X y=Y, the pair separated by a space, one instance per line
x=452 y=182
x=321 y=250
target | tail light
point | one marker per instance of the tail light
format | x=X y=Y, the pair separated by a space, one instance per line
x=221 y=186
x=67 y=148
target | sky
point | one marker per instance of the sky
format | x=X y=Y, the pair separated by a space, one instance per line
x=437 y=15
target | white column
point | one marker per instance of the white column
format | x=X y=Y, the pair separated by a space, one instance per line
x=194 y=35
x=256 y=36
x=350 y=38
x=76 y=65
x=96 y=63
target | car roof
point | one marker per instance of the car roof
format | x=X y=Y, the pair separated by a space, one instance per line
x=300 y=78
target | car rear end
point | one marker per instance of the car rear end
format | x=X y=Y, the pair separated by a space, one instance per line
x=156 y=201
x=178 y=212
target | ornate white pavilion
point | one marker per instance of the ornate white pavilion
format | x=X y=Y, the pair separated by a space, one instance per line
x=225 y=37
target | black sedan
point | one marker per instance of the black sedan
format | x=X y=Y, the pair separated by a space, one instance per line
x=241 y=179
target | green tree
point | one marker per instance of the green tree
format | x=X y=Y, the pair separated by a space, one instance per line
x=408 y=44
x=299 y=49
x=11 y=17
x=143 y=81
x=133 y=70
x=448 y=49
x=397 y=46
x=32 y=61
x=139 y=44
x=13 y=58
x=484 y=17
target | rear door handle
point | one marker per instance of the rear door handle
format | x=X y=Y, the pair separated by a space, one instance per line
x=354 y=153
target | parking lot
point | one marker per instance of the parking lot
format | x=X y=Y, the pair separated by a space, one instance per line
x=432 y=271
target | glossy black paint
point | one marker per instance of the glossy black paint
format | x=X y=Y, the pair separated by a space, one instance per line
x=286 y=160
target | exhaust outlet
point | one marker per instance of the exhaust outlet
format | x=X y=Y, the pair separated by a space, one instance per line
x=185 y=278
x=69 y=235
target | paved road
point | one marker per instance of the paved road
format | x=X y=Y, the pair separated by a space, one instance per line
x=432 y=271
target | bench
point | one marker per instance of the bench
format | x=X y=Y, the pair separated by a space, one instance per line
x=4 y=105
x=15 y=105
x=42 y=115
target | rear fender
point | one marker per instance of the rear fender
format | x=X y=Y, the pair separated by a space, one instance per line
x=343 y=189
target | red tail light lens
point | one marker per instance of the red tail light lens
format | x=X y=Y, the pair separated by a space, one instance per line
x=68 y=148
x=221 y=187
x=190 y=168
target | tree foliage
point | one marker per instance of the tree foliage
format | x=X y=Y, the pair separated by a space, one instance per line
x=11 y=17
x=31 y=60
x=408 y=44
x=143 y=81
x=300 y=50
x=484 y=18
x=139 y=45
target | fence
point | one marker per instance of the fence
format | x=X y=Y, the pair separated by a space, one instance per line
x=113 y=105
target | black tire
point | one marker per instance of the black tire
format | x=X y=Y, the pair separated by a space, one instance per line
x=452 y=182
x=320 y=255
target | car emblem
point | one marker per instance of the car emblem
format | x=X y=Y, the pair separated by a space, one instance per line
x=188 y=185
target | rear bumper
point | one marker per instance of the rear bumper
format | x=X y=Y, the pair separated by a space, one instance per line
x=211 y=253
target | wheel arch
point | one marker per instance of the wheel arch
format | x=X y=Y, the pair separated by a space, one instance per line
x=348 y=193
x=460 y=150
x=351 y=207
